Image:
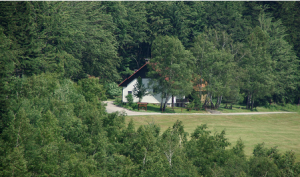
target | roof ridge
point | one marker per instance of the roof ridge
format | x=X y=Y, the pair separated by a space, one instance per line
x=134 y=73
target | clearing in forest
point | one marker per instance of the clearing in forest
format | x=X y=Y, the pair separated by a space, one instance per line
x=280 y=130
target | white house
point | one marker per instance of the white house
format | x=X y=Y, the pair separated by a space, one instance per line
x=128 y=85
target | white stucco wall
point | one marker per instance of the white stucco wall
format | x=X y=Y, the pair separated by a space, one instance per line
x=148 y=98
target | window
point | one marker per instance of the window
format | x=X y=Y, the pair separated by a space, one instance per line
x=129 y=92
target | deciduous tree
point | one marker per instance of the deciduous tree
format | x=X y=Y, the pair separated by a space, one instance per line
x=171 y=67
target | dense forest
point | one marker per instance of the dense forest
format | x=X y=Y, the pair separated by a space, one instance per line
x=60 y=60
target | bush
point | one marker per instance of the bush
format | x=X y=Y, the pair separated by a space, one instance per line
x=118 y=101
x=190 y=105
x=134 y=106
x=129 y=99
x=113 y=90
x=286 y=107
x=196 y=99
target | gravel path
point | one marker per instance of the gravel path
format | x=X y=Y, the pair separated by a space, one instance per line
x=110 y=108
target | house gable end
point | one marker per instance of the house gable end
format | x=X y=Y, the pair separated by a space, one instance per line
x=140 y=72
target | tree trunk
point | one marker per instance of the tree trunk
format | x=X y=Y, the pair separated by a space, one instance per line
x=212 y=105
x=200 y=92
x=217 y=103
x=204 y=105
x=167 y=97
x=207 y=102
x=161 y=104
x=248 y=102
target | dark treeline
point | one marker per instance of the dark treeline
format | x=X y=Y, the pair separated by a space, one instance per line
x=54 y=124
x=111 y=39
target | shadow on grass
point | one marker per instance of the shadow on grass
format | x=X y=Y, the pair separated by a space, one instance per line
x=236 y=108
x=272 y=108
x=286 y=107
x=156 y=108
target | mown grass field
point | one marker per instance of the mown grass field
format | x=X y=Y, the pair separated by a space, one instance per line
x=235 y=108
x=282 y=130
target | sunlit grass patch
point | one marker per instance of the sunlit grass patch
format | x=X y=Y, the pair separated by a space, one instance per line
x=282 y=130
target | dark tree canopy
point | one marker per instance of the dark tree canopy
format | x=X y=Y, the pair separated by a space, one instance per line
x=60 y=60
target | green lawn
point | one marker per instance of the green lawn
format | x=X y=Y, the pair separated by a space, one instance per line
x=235 y=109
x=282 y=130
x=273 y=108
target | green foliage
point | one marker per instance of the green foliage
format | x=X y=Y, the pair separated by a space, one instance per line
x=49 y=117
x=139 y=89
x=214 y=65
x=284 y=107
x=111 y=39
x=93 y=41
x=91 y=89
x=206 y=150
x=262 y=166
x=196 y=99
x=14 y=164
x=51 y=126
x=53 y=129
x=113 y=90
x=118 y=101
x=171 y=67
x=129 y=99
x=284 y=57
x=190 y=105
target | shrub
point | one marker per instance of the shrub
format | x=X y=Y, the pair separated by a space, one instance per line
x=118 y=101
x=134 y=106
x=113 y=90
x=129 y=99
x=190 y=105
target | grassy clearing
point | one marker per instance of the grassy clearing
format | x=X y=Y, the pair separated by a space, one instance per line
x=282 y=130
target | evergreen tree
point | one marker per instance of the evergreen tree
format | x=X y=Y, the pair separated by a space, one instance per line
x=139 y=89
x=93 y=42
x=286 y=61
x=6 y=72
